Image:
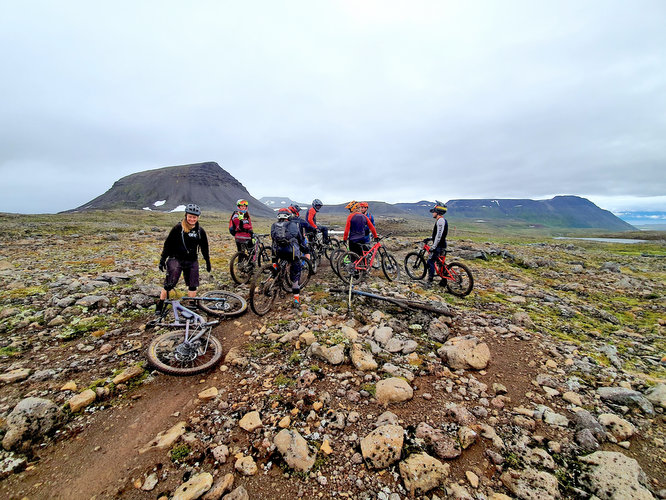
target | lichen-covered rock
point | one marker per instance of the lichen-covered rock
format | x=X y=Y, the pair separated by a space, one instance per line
x=421 y=473
x=531 y=484
x=362 y=359
x=383 y=446
x=334 y=355
x=294 y=449
x=626 y=397
x=617 y=426
x=194 y=488
x=30 y=419
x=614 y=476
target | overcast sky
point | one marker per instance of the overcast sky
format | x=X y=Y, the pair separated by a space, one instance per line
x=376 y=100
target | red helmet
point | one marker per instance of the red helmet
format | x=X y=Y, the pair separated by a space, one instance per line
x=283 y=213
x=294 y=209
x=363 y=204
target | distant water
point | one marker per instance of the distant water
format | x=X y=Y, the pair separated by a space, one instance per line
x=604 y=240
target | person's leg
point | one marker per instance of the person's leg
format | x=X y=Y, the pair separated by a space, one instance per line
x=170 y=281
x=191 y=275
x=324 y=233
x=295 y=276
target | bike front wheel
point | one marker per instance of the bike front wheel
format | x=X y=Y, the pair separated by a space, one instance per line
x=241 y=268
x=347 y=269
x=390 y=267
x=462 y=282
x=263 y=290
x=226 y=304
x=170 y=354
x=415 y=265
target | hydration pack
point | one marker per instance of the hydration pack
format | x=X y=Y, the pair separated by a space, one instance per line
x=281 y=234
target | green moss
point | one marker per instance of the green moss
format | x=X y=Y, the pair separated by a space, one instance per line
x=9 y=351
x=370 y=388
x=179 y=453
x=21 y=293
x=283 y=381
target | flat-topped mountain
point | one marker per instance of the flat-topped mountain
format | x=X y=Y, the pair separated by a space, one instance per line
x=166 y=189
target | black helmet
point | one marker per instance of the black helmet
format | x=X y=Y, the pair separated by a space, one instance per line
x=294 y=209
x=439 y=208
x=317 y=204
x=193 y=209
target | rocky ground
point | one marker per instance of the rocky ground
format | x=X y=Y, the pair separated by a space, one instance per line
x=546 y=382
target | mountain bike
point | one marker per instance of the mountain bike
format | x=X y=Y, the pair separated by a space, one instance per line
x=243 y=264
x=190 y=348
x=269 y=281
x=352 y=267
x=455 y=275
x=319 y=248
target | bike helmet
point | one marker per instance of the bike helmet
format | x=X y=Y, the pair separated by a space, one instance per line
x=283 y=214
x=294 y=209
x=241 y=202
x=363 y=204
x=317 y=204
x=355 y=207
x=349 y=205
x=439 y=208
x=193 y=209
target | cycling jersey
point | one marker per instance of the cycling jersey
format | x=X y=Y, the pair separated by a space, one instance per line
x=355 y=228
x=183 y=245
x=240 y=225
x=439 y=232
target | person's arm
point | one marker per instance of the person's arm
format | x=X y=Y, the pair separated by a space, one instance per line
x=168 y=245
x=311 y=215
x=440 y=232
x=346 y=233
x=203 y=244
x=372 y=228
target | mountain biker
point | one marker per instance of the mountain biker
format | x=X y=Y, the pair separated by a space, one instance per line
x=180 y=254
x=240 y=226
x=364 y=211
x=355 y=230
x=288 y=244
x=302 y=224
x=439 y=233
x=311 y=219
x=350 y=205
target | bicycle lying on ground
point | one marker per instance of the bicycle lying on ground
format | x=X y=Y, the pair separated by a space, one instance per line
x=268 y=281
x=353 y=267
x=243 y=264
x=455 y=275
x=191 y=348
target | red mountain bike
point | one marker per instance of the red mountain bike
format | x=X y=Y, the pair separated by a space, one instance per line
x=353 y=267
x=455 y=275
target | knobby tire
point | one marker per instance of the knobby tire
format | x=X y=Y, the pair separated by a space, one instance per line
x=464 y=281
x=241 y=268
x=232 y=305
x=162 y=354
x=263 y=290
x=390 y=267
x=415 y=265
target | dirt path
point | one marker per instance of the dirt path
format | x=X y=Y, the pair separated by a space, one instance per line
x=103 y=460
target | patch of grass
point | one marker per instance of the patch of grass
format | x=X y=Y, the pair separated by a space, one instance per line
x=370 y=388
x=294 y=359
x=179 y=453
x=8 y=351
x=21 y=293
x=80 y=326
x=283 y=381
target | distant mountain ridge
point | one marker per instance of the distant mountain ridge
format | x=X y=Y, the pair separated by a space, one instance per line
x=166 y=189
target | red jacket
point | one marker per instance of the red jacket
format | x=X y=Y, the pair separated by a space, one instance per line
x=240 y=225
x=355 y=227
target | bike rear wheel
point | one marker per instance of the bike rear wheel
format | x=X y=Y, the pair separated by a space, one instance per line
x=415 y=265
x=390 y=267
x=230 y=304
x=462 y=282
x=263 y=290
x=169 y=354
x=333 y=245
x=241 y=268
x=347 y=268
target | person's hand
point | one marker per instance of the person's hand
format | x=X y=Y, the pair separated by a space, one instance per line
x=162 y=264
x=377 y=238
x=208 y=268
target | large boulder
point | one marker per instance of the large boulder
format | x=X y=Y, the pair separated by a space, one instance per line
x=393 y=390
x=30 y=419
x=531 y=484
x=463 y=353
x=657 y=395
x=626 y=397
x=612 y=476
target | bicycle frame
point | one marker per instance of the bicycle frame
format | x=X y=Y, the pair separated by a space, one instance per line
x=368 y=256
x=442 y=267
x=191 y=319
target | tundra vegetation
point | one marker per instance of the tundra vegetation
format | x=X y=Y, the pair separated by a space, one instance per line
x=546 y=382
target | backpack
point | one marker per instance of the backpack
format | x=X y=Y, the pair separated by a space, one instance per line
x=281 y=234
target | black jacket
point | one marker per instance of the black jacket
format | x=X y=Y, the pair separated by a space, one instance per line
x=183 y=246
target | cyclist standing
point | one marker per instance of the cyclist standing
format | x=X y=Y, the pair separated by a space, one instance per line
x=439 y=233
x=288 y=244
x=355 y=229
x=180 y=254
x=311 y=219
x=240 y=226
x=364 y=211
x=302 y=224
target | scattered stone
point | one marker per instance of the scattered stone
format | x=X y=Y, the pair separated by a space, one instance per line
x=626 y=397
x=246 y=466
x=618 y=427
x=221 y=486
x=531 y=484
x=127 y=374
x=334 y=355
x=463 y=353
x=150 y=482
x=208 y=394
x=294 y=449
x=362 y=359
x=81 y=400
x=165 y=439
x=250 y=421
x=393 y=390
x=194 y=488
x=15 y=375
x=221 y=453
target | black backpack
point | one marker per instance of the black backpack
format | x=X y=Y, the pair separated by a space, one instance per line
x=281 y=234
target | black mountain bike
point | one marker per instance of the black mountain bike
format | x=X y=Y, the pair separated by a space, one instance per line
x=268 y=282
x=243 y=264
